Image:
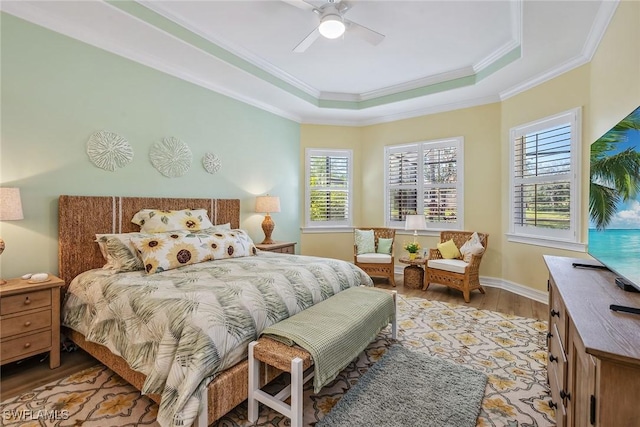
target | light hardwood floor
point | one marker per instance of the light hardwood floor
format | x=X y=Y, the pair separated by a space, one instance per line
x=16 y=378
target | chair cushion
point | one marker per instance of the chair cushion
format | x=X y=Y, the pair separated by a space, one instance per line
x=374 y=258
x=453 y=265
x=365 y=241
x=449 y=250
x=471 y=247
x=384 y=246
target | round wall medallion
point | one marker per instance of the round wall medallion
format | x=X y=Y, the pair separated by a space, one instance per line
x=211 y=163
x=108 y=150
x=171 y=157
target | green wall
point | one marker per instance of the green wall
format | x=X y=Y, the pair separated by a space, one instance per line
x=56 y=92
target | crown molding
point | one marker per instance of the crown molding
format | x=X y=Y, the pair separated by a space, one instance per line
x=233 y=49
x=344 y=100
x=387 y=118
x=604 y=16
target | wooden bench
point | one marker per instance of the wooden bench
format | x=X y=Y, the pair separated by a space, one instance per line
x=292 y=359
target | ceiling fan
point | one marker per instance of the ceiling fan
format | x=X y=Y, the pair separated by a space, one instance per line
x=333 y=23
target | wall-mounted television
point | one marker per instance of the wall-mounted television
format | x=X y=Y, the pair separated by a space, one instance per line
x=614 y=201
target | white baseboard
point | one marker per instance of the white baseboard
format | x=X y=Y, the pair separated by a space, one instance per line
x=496 y=282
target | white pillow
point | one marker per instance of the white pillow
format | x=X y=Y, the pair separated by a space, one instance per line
x=471 y=247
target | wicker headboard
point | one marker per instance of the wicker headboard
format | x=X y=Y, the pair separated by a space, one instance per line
x=80 y=218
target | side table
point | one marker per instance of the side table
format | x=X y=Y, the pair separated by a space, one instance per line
x=30 y=315
x=414 y=272
x=280 y=247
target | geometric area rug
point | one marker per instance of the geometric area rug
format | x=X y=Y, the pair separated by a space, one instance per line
x=408 y=388
x=510 y=350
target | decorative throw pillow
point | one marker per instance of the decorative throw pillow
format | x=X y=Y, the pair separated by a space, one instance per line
x=365 y=242
x=160 y=221
x=384 y=246
x=471 y=247
x=449 y=250
x=118 y=252
x=166 y=251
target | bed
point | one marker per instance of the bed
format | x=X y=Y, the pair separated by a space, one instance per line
x=82 y=217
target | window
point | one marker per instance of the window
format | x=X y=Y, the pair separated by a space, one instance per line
x=425 y=177
x=544 y=180
x=328 y=188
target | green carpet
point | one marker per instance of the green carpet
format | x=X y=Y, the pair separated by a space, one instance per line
x=407 y=388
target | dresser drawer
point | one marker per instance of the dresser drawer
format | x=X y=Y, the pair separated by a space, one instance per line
x=25 y=323
x=25 y=345
x=25 y=301
x=558 y=315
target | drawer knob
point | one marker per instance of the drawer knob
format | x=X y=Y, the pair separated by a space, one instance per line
x=565 y=395
x=27 y=323
x=553 y=405
x=553 y=358
x=27 y=301
x=27 y=345
x=555 y=313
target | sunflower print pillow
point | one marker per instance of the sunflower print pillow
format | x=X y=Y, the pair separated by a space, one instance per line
x=166 y=251
x=160 y=221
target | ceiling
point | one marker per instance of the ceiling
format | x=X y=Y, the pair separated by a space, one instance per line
x=436 y=55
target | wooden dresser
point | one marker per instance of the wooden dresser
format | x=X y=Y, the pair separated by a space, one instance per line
x=280 y=247
x=30 y=320
x=594 y=352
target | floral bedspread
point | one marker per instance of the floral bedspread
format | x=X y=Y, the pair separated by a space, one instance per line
x=181 y=327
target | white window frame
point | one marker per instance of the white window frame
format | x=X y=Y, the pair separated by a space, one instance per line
x=562 y=239
x=420 y=147
x=328 y=226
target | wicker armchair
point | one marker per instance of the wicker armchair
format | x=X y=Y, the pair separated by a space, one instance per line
x=377 y=265
x=455 y=273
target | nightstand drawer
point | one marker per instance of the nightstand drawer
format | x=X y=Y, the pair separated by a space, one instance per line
x=25 y=345
x=286 y=250
x=25 y=323
x=25 y=301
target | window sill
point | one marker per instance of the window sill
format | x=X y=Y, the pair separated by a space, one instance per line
x=335 y=229
x=549 y=243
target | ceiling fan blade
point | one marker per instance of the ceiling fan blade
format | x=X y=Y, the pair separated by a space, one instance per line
x=373 y=37
x=300 y=4
x=307 y=41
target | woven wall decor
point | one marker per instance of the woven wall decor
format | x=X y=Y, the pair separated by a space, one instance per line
x=211 y=163
x=171 y=157
x=108 y=150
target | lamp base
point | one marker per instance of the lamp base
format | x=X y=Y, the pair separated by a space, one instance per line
x=267 y=226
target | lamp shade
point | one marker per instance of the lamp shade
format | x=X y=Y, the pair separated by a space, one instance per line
x=10 y=204
x=415 y=222
x=267 y=204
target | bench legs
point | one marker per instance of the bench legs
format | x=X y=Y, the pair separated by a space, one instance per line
x=276 y=402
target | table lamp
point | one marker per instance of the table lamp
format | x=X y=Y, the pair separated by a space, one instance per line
x=10 y=210
x=267 y=204
x=415 y=223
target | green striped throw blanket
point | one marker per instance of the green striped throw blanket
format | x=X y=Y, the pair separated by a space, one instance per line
x=337 y=330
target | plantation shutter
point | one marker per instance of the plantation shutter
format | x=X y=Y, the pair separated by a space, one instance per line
x=440 y=183
x=403 y=171
x=542 y=178
x=329 y=187
x=425 y=178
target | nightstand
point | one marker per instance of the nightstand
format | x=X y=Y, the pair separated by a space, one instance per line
x=30 y=319
x=281 y=247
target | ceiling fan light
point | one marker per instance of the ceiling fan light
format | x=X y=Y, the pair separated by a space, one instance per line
x=332 y=26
